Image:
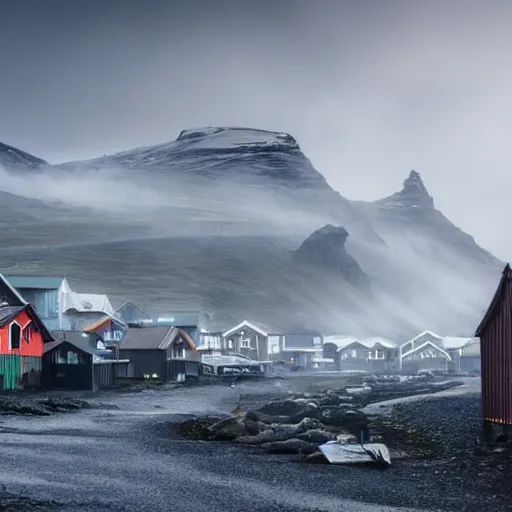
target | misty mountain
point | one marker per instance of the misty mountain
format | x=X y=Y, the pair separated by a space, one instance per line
x=13 y=158
x=239 y=222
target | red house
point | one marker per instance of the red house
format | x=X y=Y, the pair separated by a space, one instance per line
x=22 y=336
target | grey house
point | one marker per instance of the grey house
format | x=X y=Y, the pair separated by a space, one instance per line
x=159 y=352
x=376 y=355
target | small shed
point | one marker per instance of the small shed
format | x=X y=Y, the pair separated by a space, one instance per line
x=77 y=361
x=160 y=352
x=495 y=333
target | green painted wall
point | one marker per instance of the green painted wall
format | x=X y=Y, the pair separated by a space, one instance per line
x=10 y=368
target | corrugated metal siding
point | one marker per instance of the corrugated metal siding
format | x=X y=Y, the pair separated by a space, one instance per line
x=496 y=357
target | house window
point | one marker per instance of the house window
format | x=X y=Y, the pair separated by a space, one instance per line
x=14 y=336
x=179 y=353
x=376 y=354
x=246 y=343
x=230 y=343
x=28 y=332
x=72 y=357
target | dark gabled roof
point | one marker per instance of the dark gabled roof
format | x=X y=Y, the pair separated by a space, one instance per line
x=505 y=281
x=8 y=313
x=146 y=338
x=153 y=338
x=9 y=296
x=77 y=339
x=83 y=347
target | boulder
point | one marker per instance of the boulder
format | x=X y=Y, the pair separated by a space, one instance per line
x=282 y=408
x=289 y=431
x=308 y=411
x=251 y=423
x=265 y=418
x=316 y=436
x=316 y=458
x=228 y=428
x=265 y=436
x=290 y=446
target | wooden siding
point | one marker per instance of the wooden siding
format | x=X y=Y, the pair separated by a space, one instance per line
x=19 y=372
x=31 y=341
x=495 y=333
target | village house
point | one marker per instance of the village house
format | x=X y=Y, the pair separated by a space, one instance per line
x=304 y=350
x=44 y=293
x=265 y=344
x=210 y=342
x=349 y=353
x=430 y=351
x=82 y=309
x=57 y=305
x=22 y=337
x=161 y=352
x=424 y=352
x=464 y=353
x=248 y=340
x=495 y=334
x=80 y=361
x=111 y=330
x=131 y=313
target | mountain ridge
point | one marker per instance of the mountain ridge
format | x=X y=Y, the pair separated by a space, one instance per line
x=418 y=264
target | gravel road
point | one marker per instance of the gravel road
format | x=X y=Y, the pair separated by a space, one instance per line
x=124 y=460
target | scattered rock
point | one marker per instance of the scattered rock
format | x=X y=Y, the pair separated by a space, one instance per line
x=316 y=458
x=290 y=446
x=316 y=436
x=251 y=424
x=228 y=429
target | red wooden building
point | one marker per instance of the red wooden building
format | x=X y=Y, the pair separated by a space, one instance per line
x=495 y=333
x=22 y=336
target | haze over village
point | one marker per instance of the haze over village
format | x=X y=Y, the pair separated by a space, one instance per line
x=259 y=245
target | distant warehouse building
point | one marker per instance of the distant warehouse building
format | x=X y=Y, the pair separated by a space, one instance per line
x=495 y=333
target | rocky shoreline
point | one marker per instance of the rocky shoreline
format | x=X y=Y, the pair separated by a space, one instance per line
x=300 y=422
x=40 y=405
x=434 y=440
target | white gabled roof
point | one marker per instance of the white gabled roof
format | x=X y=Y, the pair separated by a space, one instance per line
x=85 y=302
x=340 y=341
x=371 y=342
x=243 y=324
x=422 y=346
x=456 y=342
x=344 y=341
x=433 y=334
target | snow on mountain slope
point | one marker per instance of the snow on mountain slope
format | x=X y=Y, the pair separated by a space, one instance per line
x=235 y=204
x=13 y=158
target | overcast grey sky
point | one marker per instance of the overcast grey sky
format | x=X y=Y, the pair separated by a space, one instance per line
x=371 y=89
